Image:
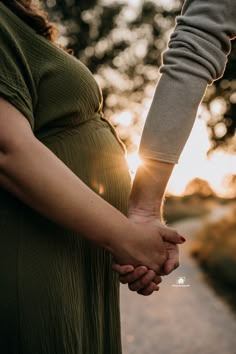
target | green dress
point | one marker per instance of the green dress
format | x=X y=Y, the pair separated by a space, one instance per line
x=58 y=294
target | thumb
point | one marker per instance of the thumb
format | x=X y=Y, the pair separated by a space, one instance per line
x=171 y=235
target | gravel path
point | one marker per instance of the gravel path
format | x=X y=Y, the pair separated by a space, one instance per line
x=190 y=319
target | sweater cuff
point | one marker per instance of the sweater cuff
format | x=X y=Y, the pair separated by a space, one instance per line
x=171 y=116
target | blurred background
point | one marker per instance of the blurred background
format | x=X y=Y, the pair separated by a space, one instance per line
x=122 y=41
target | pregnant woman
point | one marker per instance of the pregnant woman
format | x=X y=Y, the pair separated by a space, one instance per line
x=64 y=189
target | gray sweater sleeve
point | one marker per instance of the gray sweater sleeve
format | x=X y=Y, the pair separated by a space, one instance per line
x=196 y=56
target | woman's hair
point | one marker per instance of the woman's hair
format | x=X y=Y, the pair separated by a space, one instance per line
x=34 y=16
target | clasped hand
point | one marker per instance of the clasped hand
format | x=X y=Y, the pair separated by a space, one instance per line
x=155 y=255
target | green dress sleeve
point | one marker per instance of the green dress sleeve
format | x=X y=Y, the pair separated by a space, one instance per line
x=16 y=82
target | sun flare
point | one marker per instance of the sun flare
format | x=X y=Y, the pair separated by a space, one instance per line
x=134 y=162
x=194 y=163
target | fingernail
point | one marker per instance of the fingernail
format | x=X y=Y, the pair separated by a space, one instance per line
x=182 y=238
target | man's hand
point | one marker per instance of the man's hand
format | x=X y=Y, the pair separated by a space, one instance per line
x=140 y=279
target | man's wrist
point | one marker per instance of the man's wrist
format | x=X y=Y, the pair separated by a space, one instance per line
x=146 y=210
x=147 y=194
x=142 y=214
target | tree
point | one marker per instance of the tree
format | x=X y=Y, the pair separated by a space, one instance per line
x=199 y=187
x=122 y=46
x=221 y=102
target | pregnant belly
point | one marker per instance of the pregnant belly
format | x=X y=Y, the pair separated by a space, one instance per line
x=44 y=266
x=95 y=155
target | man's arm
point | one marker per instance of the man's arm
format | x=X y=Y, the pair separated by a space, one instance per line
x=196 y=56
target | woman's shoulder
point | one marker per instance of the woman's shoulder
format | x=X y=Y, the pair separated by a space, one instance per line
x=14 y=29
x=14 y=32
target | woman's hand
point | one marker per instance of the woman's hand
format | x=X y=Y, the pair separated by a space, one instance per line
x=142 y=245
x=141 y=279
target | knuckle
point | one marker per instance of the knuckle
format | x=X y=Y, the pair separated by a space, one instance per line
x=151 y=274
x=140 y=272
x=144 y=281
x=133 y=287
x=123 y=280
x=134 y=278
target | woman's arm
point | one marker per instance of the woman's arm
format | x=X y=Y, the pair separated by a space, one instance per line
x=36 y=176
x=29 y=170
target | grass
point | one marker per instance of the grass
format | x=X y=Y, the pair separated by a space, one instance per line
x=215 y=251
x=178 y=208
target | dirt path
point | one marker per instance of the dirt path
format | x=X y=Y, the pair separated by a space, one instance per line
x=190 y=319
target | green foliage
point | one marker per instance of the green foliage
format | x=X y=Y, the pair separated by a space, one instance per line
x=224 y=91
x=122 y=46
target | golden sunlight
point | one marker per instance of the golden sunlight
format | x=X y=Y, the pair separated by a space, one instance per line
x=195 y=163
x=134 y=162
